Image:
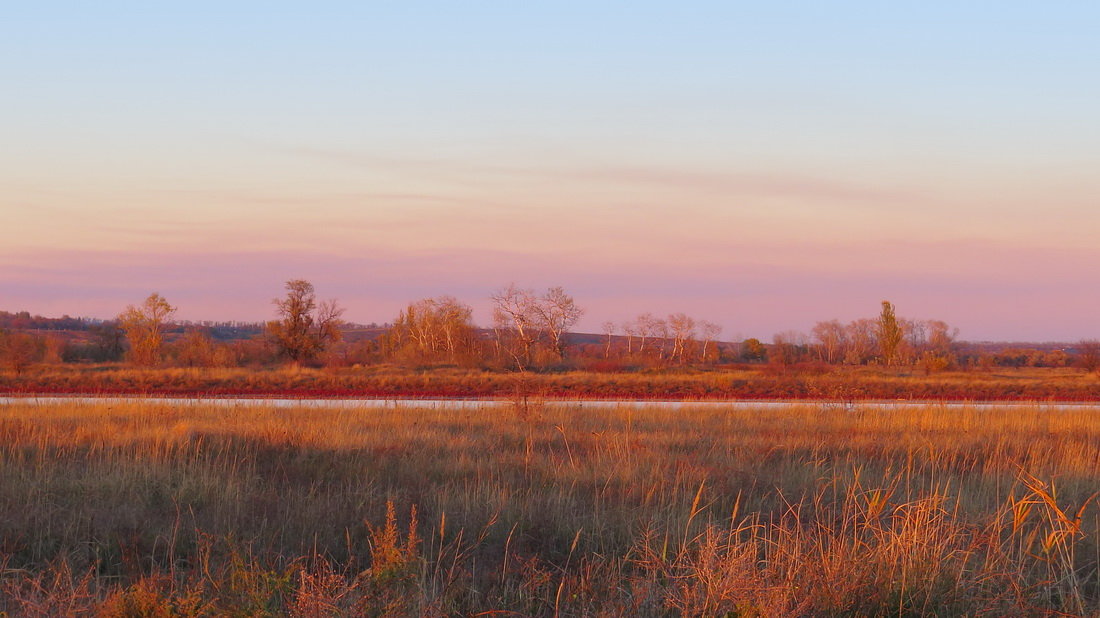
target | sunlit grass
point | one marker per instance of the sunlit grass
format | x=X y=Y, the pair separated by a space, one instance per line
x=817 y=382
x=544 y=509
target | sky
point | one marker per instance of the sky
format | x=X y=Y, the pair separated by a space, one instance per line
x=762 y=165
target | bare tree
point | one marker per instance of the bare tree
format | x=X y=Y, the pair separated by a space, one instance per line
x=515 y=322
x=1088 y=354
x=522 y=320
x=630 y=329
x=556 y=312
x=832 y=340
x=682 y=329
x=455 y=324
x=609 y=330
x=914 y=340
x=646 y=325
x=661 y=335
x=787 y=347
x=144 y=328
x=710 y=332
x=861 y=342
x=305 y=327
x=108 y=342
x=941 y=337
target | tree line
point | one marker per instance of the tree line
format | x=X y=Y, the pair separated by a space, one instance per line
x=529 y=331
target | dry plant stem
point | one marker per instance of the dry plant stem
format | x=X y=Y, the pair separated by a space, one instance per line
x=150 y=509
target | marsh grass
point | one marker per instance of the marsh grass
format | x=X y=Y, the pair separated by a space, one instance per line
x=148 y=509
x=842 y=384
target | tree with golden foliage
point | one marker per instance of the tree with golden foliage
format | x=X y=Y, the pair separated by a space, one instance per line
x=890 y=334
x=18 y=351
x=195 y=349
x=144 y=327
x=432 y=329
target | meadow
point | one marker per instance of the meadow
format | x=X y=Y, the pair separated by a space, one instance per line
x=146 y=509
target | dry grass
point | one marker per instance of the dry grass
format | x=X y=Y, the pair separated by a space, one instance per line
x=148 y=509
x=815 y=382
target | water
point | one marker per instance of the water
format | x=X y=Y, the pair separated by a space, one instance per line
x=488 y=404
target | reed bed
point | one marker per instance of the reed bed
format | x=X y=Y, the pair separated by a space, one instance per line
x=157 y=510
x=744 y=382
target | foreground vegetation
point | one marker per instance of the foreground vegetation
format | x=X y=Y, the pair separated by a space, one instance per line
x=150 y=509
x=818 y=382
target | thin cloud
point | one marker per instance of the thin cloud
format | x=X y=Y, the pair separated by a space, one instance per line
x=732 y=182
x=745 y=184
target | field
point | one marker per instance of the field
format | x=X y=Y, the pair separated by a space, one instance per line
x=147 y=509
x=815 y=382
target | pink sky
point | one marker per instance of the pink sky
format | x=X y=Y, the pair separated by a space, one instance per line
x=755 y=289
x=740 y=163
x=756 y=251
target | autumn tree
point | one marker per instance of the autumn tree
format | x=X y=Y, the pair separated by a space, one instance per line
x=305 y=327
x=144 y=326
x=53 y=350
x=432 y=329
x=1088 y=355
x=195 y=349
x=18 y=351
x=889 y=334
x=752 y=349
x=937 y=351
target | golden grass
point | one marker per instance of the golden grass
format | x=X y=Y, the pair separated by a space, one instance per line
x=150 y=509
x=818 y=382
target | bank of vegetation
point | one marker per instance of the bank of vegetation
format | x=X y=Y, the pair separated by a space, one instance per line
x=433 y=349
x=749 y=382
